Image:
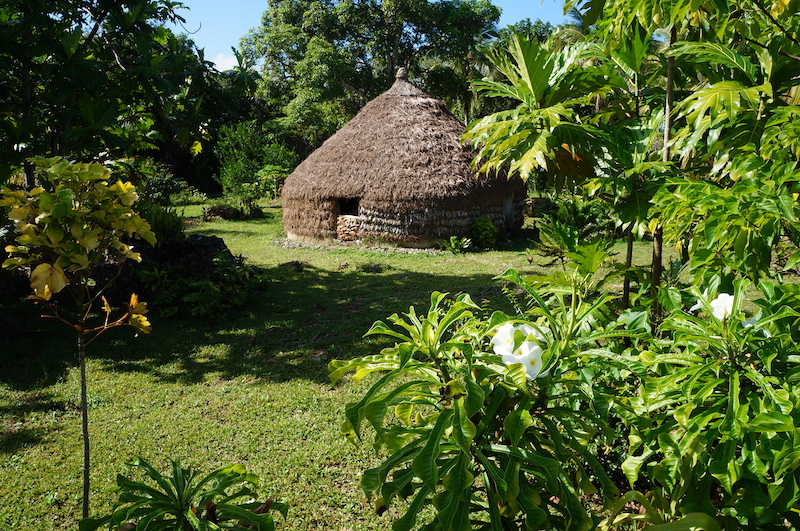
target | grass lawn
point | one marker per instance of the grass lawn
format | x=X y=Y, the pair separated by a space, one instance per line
x=250 y=387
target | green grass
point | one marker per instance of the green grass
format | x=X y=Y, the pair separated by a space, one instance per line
x=250 y=387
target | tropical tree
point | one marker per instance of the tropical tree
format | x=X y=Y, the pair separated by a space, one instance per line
x=88 y=76
x=321 y=61
x=68 y=226
x=546 y=130
x=742 y=59
x=629 y=166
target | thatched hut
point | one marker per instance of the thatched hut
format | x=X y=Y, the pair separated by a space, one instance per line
x=397 y=173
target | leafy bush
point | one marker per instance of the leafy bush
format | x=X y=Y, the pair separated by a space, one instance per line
x=154 y=180
x=224 y=499
x=271 y=178
x=197 y=276
x=557 y=238
x=485 y=232
x=253 y=162
x=189 y=196
x=456 y=244
x=573 y=416
x=587 y=218
x=494 y=422
x=165 y=222
x=727 y=381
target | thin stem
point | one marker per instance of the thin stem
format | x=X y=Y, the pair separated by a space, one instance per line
x=100 y=329
x=84 y=424
x=762 y=45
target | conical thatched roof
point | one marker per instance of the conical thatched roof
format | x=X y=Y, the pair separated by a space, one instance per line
x=402 y=152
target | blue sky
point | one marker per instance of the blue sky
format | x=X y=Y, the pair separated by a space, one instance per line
x=216 y=25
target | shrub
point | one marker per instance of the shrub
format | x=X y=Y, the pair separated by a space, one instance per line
x=154 y=180
x=571 y=416
x=588 y=218
x=189 y=196
x=253 y=162
x=270 y=180
x=197 y=276
x=185 y=501
x=165 y=222
x=485 y=232
x=493 y=422
x=456 y=244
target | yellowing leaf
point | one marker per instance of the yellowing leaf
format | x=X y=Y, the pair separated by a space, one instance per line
x=135 y=306
x=778 y=7
x=48 y=279
x=27 y=229
x=13 y=263
x=16 y=213
x=653 y=225
x=196 y=148
x=140 y=323
x=90 y=239
x=45 y=294
x=126 y=192
x=9 y=197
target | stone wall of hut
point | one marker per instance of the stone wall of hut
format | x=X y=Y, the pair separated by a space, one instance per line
x=348 y=228
x=425 y=226
x=394 y=223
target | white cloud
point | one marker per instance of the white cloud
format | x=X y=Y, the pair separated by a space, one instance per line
x=224 y=62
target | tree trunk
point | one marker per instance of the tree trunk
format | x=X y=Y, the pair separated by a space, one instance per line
x=658 y=235
x=84 y=424
x=26 y=98
x=626 y=285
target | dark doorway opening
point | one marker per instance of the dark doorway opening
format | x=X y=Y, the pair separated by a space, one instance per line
x=348 y=206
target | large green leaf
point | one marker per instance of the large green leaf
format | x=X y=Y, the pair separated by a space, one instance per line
x=630 y=51
x=424 y=464
x=407 y=521
x=721 y=101
x=716 y=53
x=692 y=521
x=516 y=423
x=463 y=429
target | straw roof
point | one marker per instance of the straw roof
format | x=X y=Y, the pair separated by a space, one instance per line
x=402 y=152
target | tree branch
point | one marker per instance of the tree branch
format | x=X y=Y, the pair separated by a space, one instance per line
x=777 y=24
x=790 y=56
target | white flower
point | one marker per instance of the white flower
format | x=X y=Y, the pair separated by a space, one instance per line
x=528 y=353
x=722 y=306
x=699 y=303
x=504 y=337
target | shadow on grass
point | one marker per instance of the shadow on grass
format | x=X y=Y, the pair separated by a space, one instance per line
x=298 y=322
x=37 y=402
x=15 y=434
x=36 y=352
x=12 y=441
x=293 y=328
